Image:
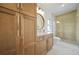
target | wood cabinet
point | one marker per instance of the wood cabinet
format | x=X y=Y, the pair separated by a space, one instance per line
x=8 y=31
x=12 y=6
x=43 y=44
x=28 y=34
x=28 y=28
x=17 y=29
x=49 y=43
x=40 y=47
x=29 y=7
x=30 y=49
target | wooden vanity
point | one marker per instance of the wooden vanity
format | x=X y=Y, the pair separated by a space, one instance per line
x=43 y=44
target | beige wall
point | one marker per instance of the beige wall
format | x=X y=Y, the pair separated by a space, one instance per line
x=67 y=27
x=47 y=16
x=77 y=26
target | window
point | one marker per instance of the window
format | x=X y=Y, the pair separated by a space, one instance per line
x=49 y=25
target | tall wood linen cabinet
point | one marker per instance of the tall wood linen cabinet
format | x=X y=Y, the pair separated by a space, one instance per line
x=17 y=28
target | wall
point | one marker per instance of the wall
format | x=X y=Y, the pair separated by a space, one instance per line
x=40 y=31
x=77 y=26
x=47 y=16
x=67 y=27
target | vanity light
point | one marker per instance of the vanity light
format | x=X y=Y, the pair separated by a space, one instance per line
x=58 y=22
x=62 y=5
x=40 y=11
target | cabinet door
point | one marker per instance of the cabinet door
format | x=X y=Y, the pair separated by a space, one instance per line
x=41 y=47
x=8 y=32
x=49 y=43
x=28 y=34
x=29 y=7
x=29 y=50
x=12 y=6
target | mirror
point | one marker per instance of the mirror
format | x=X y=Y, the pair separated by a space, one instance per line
x=40 y=21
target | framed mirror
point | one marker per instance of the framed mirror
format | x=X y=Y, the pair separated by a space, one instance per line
x=40 y=21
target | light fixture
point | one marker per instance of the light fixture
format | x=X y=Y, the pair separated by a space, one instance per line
x=40 y=11
x=58 y=22
x=62 y=5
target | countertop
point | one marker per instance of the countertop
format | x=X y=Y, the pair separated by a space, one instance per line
x=43 y=33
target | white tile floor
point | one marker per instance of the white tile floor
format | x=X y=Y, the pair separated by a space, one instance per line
x=63 y=48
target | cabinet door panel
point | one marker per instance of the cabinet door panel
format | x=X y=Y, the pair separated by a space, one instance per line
x=49 y=43
x=29 y=7
x=29 y=50
x=29 y=30
x=40 y=47
x=43 y=44
x=28 y=33
x=12 y=6
x=8 y=33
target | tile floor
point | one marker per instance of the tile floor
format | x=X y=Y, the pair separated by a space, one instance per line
x=63 y=48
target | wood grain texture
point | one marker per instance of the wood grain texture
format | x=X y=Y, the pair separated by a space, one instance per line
x=29 y=50
x=27 y=34
x=27 y=29
x=18 y=31
x=43 y=44
x=49 y=43
x=29 y=7
x=8 y=33
x=12 y=6
x=40 y=46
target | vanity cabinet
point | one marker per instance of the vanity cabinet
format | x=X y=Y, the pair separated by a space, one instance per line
x=40 y=46
x=49 y=42
x=43 y=44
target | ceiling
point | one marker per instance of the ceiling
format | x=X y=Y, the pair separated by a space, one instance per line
x=58 y=8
